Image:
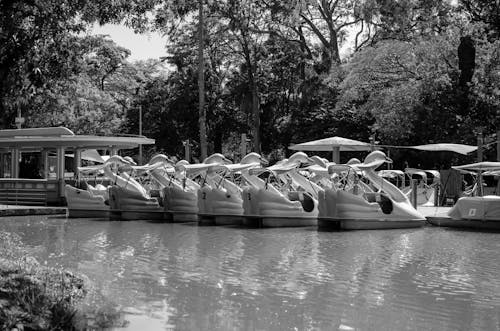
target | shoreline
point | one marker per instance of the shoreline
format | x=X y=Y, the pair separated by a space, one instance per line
x=37 y=297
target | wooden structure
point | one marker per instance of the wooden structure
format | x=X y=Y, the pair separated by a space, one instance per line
x=49 y=147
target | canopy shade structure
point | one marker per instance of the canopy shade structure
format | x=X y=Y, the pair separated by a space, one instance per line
x=332 y=144
x=63 y=137
x=90 y=155
x=77 y=141
x=479 y=166
x=457 y=148
x=327 y=145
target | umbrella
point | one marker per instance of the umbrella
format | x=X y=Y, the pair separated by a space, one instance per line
x=333 y=144
x=457 y=148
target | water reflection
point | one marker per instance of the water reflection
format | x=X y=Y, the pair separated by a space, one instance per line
x=196 y=278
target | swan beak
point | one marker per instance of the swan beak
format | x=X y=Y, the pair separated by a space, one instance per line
x=388 y=160
x=263 y=161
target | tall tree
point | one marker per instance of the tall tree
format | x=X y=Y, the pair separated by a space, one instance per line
x=201 y=83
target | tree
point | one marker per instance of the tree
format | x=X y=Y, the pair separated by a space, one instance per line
x=486 y=12
x=404 y=86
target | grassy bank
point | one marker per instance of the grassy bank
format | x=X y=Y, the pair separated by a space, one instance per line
x=36 y=297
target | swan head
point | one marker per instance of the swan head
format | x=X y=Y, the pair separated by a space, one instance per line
x=161 y=158
x=375 y=159
x=353 y=161
x=217 y=158
x=116 y=159
x=254 y=158
x=130 y=160
x=319 y=161
x=180 y=164
x=300 y=158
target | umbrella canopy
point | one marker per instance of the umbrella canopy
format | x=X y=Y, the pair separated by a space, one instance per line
x=479 y=166
x=333 y=144
x=327 y=144
x=457 y=148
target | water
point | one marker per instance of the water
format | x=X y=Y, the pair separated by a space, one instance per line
x=188 y=277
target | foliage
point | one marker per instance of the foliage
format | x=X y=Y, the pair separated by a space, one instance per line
x=404 y=86
x=36 y=297
x=273 y=69
x=486 y=12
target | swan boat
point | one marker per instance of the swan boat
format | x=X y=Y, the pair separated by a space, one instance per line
x=476 y=212
x=425 y=192
x=352 y=204
x=90 y=201
x=128 y=199
x=289 y=201
x=221 y=201
x=180 y=190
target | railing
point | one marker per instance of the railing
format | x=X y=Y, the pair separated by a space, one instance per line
x=36 y=192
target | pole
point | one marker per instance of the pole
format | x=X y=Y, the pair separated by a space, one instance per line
x=140 y=134
x=19 y=117
x=414 y=193
x=498 y=159
x=187 y=151
x=201 y=85
x=336 y=154
x=480 y=145
x=243 y=146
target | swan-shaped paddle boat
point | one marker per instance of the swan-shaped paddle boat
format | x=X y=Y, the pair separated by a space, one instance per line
x=294 y=205
x=128 y=198
x=425 y=191
x=181 y=192
x=351 y=204
x=221 y=201
x=478 y=211
x=92 y=201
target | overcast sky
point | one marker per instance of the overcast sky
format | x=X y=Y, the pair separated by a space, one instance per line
x=151 y=45
x=143 y=46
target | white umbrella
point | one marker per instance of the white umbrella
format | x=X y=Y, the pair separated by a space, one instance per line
x=333 y=144
x=457 y=148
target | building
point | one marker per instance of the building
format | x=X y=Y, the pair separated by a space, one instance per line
x=34 y=162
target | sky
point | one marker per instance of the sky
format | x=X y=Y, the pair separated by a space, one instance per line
x=141 y=46
x=150 y=45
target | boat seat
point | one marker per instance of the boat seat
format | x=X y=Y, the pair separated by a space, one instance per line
x=156 y=194
x=382 y=199
x=371 y=196
x=304 y=198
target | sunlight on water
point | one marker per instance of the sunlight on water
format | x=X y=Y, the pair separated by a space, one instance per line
x=188 y=277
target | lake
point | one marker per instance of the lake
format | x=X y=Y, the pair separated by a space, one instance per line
x=186 y=277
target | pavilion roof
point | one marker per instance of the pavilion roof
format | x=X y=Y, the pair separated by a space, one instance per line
x=34 y=138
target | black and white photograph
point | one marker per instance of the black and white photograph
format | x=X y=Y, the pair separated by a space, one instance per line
x=249 y=165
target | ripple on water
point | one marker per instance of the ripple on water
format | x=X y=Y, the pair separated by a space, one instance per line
x=188 y=277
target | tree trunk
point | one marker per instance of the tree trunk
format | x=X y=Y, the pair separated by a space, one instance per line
x=201 y=86
x=256 y=119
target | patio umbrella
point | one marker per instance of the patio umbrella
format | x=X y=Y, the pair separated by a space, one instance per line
x=334 y=145
x=457 y=148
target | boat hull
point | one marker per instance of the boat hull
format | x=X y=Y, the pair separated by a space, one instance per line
x=134 y=215
x=465 y=223
x=181 y=205
x=206 y=219
x=182 y=217
x=272 y=222
x=130 y=206
x=87 y=213
x=368 y=224
x=278 y=221
x=228 y=219
x=83 y=204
